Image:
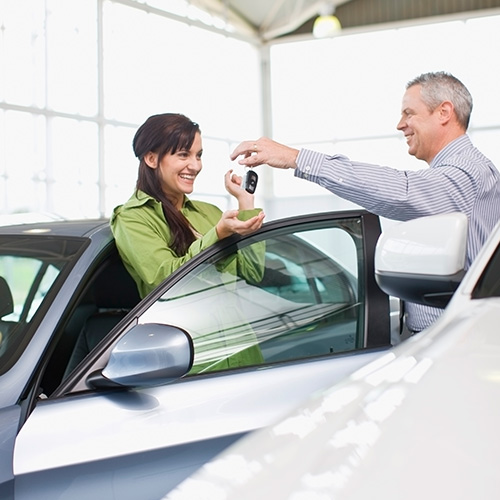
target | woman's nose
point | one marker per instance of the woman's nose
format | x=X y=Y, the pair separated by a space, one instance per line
x=195 y=164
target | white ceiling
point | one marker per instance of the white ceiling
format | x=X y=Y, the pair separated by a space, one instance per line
x=279 y=17
x=268 y=19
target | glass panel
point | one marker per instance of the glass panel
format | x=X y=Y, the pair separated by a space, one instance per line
x=338 y=103
x=121 y=165
x=74 y=168
x=168 y=66
x=215 y=164
x=482 y=74
x=295 y=295
x=24 y=169
x=146 y=73
x=22 y=52
x=29 y=268
x=72 y=56
x=21 y=273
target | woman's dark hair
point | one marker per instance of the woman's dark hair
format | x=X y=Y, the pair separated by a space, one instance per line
x=162 y=134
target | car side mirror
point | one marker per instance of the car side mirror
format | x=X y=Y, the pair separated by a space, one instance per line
x=423 y=260
x=147 y=355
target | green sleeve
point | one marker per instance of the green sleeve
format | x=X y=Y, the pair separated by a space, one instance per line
x=251 y=262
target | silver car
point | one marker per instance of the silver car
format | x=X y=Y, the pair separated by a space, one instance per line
x=106 y=396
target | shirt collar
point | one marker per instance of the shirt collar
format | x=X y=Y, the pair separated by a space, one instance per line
x=451 y=148
x=140 y=198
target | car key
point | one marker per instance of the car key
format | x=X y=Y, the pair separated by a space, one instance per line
x=250 y=181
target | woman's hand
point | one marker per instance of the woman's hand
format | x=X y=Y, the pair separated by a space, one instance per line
x=233 y=184
x=230 y=224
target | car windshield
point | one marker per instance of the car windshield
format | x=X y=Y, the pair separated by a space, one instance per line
x=30 y=268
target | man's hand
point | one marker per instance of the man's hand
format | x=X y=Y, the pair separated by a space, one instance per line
x=265 y=151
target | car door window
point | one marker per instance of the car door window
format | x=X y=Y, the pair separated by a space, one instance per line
x=289 y=295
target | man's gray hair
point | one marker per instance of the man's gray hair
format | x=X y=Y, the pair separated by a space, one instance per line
x=442 y=86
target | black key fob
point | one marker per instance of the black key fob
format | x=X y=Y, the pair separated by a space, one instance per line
x=250 y=182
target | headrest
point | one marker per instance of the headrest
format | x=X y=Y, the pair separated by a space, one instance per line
x=115 y=288
x=6 y=300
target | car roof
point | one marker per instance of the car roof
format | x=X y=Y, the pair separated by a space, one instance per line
x=68 y=228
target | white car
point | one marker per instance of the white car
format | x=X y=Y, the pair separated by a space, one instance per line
x=421 y=422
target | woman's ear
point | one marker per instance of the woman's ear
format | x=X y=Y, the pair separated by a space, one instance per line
x=151 y=159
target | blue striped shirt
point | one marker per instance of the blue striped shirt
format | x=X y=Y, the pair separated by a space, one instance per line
x=459 y=179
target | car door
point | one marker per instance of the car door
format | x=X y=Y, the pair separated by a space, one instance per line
x=272 y=317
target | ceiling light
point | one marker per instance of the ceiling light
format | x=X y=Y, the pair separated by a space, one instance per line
x=326 y=24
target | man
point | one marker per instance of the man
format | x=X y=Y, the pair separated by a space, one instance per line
x=435 y=115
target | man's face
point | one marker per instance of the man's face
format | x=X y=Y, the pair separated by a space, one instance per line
x=420 y=126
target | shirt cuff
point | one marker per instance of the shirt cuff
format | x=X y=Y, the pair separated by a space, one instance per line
x=308 y=164
x=248 y=214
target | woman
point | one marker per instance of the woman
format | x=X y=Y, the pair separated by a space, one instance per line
x=160 y=228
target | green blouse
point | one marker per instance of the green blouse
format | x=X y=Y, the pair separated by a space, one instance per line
x=143 y=237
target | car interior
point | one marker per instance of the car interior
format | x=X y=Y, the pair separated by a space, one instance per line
x=105 y=300
x=7 y=307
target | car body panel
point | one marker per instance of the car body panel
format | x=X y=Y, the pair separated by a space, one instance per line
x=166 y=416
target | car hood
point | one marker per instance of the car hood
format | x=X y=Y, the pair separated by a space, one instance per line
x=420 y=422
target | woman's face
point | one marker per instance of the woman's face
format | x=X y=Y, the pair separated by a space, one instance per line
x=178 y=171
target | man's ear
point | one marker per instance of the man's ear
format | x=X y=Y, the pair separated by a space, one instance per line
x=151 y=159
x=446 y=111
